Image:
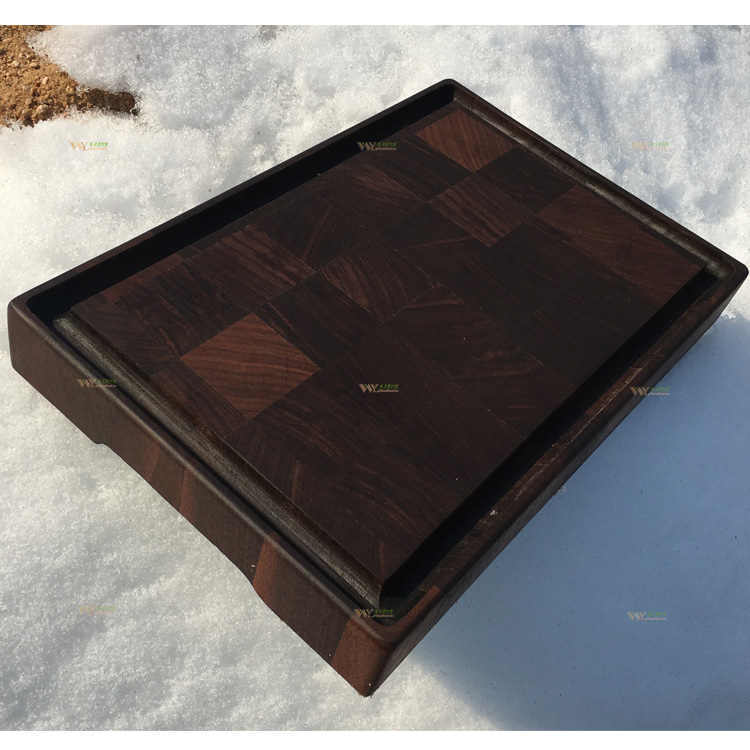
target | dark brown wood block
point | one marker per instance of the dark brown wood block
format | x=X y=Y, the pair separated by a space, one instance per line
x=615 y=239
x=526 y=178
x=318 y=318
x=309 y=227
x=261 y=269
x=432 y=242
x=418 y=167
x=383 y=507
x=378 y=279
x=314 y=422
x=198 y=399
x=366 y=194
x=362 y=372
x=466 y=139
x=249 y=365
x=481 y=209
x=446 y=329
x=521 y=374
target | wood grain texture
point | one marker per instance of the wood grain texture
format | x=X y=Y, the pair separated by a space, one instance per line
x=466 y=139
x=249 y=265
x=530 y=390
x=309 y=227
x=442 y=326
x=378 y=279
x=446 y=268
x=526 y=178
x=432 y=242
x=511 y=306
x=609 y=236
x=250 y=365
x=366 y=194
x=421 y=169
x=318 y=318
x=383 y=507
x=198 y=399
x=482 y=210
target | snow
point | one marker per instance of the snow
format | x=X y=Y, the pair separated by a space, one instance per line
x=656 y=520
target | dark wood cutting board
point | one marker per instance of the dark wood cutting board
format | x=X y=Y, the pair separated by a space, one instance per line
x=362 y=372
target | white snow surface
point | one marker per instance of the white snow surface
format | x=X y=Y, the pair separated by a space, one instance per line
x=657 y=520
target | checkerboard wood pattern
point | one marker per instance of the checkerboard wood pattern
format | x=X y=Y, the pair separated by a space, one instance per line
x=484 y=282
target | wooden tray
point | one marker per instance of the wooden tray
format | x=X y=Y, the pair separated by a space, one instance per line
x=362 y=372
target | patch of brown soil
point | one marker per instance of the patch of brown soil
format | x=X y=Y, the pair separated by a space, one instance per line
x=32 y=88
